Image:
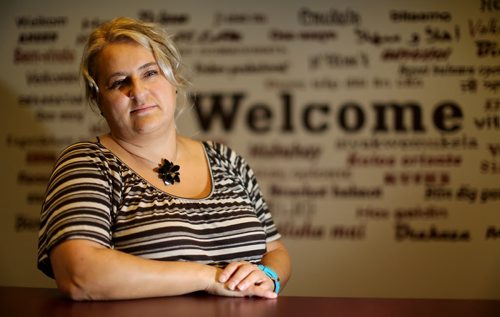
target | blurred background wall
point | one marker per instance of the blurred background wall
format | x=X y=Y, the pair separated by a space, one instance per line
x=373 y=128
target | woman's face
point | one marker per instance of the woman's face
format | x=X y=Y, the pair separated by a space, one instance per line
x=134 y=95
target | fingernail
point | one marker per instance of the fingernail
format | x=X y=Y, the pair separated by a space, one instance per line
x=242 y=287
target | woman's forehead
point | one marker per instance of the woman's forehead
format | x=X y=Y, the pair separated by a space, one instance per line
x=123 y=57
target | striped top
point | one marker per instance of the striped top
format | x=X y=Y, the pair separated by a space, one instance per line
x=93 y=195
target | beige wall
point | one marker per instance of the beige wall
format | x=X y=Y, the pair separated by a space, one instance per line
x=369 y=203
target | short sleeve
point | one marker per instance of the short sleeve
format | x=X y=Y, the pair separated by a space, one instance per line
x=251 y=185
x=78 y=201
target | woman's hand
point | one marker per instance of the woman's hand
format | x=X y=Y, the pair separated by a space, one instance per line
x=242 y=279
x=246 y=279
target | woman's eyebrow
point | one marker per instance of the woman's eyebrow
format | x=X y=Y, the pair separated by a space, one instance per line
x=148 y=65
x=119 y=73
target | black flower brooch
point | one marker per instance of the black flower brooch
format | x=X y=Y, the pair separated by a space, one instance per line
x=168 y=172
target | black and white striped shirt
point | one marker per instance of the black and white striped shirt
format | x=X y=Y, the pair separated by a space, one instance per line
x=93 y=195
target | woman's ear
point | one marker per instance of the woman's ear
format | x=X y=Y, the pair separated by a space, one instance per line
x=95 y=97
x=100 y=109
x=94 y=92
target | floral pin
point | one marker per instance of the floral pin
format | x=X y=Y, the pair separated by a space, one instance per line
x=168 y=172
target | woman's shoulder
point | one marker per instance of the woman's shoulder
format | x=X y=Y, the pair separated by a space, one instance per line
x=91 y=149
x=220 y=149
x=83 y=146
x=225 y=155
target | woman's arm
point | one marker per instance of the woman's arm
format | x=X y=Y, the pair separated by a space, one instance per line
x=278 y=259
x=85 y=270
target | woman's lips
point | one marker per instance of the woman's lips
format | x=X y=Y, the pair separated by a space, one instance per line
x=142 y=109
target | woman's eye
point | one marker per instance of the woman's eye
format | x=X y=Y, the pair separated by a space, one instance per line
x=116 y=84
x=119 y=83
x=151 y=72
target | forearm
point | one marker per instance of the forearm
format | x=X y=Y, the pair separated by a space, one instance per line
x=101 y=274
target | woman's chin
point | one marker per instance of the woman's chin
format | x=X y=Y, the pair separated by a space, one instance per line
x=149 y=125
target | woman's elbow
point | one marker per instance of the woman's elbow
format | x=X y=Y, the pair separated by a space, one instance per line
x=74 y=288
x=73 y=264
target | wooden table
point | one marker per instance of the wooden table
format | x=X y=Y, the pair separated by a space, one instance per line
x=31 y=302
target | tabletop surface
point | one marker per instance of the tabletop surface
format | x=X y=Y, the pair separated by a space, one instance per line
x=28 y=302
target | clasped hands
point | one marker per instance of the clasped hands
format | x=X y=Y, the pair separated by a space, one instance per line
x=241 y=279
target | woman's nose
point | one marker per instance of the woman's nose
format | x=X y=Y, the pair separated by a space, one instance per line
x=137 y=90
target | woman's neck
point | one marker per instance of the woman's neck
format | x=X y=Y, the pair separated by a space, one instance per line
x=150 y=149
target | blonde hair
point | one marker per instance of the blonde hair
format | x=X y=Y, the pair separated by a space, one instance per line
x=150 y=36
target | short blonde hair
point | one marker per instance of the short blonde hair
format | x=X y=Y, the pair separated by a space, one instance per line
x=149 y=35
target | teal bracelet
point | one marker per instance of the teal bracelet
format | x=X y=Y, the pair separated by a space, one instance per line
x=272 y=275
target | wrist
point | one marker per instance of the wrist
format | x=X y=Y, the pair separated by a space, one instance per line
x=209 y=277
x=272 y=275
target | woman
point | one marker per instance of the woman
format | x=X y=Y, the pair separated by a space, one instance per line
x=143 y=211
